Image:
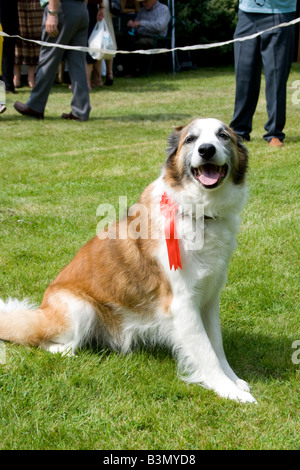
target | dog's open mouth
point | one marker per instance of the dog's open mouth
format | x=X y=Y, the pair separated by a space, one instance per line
x=210 y=175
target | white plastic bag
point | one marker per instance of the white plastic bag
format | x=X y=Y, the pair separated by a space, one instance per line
x=101 y=41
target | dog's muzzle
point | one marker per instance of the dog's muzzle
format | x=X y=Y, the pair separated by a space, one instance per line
x=210 y=175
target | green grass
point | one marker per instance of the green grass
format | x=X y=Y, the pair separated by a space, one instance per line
x=53 y=175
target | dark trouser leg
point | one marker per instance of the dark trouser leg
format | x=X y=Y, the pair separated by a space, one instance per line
x=8 y=61
x=80 y=103
x=248 y=75
x=73 y=26
x=277 y=53
x=9 y=21
x=49 y=60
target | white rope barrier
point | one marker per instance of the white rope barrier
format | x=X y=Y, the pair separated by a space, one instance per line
x=155 y=51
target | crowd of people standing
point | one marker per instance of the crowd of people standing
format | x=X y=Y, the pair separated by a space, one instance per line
x=67 y=22
x=70 y=22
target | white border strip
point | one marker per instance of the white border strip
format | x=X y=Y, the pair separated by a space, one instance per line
x=155 y=51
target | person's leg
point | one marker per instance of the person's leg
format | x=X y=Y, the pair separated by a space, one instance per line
x=49 y=60
x=109 y=72
x=89 y=70
x=31 y=75
x=97 y=79
x=247 y=73
x=17 y=75
x=80 y=103
x=277 y=53
x=77 y=17
x=9 y=21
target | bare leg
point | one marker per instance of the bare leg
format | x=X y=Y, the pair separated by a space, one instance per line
x=31 y=75
x=17 y=75
x=89 y=70
x=97 y=74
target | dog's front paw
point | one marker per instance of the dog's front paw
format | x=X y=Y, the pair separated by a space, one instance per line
x=243 y=385
x=241 y=396
x=233 y=392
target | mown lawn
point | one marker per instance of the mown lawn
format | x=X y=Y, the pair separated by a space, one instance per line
x=54 y=175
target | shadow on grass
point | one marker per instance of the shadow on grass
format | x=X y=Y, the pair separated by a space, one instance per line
x=135 y=85
x=294 y=139
x=144 y=117
x=252 y=356
x=258 y=356
x=161 y=117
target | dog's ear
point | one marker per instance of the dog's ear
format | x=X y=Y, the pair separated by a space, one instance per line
x=241 y=164
x=173 y=141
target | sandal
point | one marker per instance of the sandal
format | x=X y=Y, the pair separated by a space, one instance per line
x=97 y=83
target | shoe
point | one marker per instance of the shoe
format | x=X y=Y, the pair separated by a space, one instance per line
x=109 y=80
x=2 y=108
x=275 y=142
x=71 y=116
x=97 y=83
x=26 y=111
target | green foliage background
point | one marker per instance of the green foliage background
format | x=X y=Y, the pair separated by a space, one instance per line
x=206 y=21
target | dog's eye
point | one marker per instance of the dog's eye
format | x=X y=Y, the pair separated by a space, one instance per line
x=189 y=139
x=223 y=136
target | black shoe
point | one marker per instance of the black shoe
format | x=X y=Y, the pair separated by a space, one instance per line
x=109 y=81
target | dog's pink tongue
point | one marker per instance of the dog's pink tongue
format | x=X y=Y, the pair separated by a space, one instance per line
x=209 y=175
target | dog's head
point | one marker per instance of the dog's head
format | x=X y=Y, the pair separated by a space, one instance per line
x=206 y=153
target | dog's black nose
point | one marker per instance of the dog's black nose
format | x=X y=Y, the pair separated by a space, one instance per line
x=207 y=151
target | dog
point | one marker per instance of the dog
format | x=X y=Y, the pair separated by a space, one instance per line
x=162 y=284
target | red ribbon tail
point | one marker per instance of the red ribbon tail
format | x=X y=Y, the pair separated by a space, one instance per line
x=172 y=242
x=174 y=254
x=168 y=209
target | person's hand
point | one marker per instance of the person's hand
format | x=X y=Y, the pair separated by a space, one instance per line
x=133 y=24
x=100 y=14
x=136 y=24
x=52 y=25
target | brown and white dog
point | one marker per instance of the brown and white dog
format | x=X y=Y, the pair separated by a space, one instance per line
x=162 y=284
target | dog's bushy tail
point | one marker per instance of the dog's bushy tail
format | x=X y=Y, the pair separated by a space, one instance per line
x=22 y=322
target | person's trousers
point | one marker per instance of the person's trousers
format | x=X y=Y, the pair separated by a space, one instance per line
x=9 y=21
x=273 y=50
x=73 y=29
